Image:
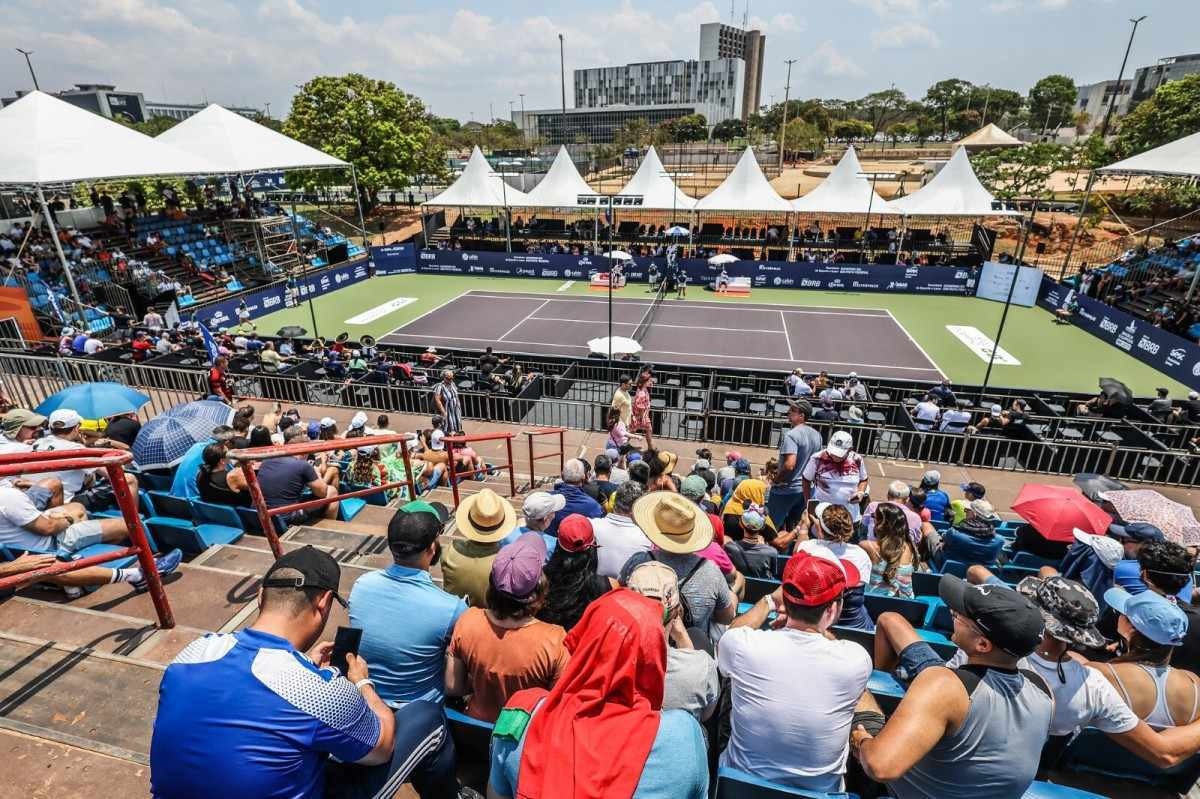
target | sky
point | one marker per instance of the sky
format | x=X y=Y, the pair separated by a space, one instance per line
x=470 y=60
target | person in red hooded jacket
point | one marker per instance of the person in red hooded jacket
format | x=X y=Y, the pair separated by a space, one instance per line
x=601 y=731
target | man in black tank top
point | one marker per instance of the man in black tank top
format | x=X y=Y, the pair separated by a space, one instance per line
x=975 y=732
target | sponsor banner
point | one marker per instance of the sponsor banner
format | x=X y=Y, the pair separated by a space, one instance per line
x=996 y=278
x=1170 y=354
x=982 y=345
x=763 y=274
x=393 y=259
x=278 y=296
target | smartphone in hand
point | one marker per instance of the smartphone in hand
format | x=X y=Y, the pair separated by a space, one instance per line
x=345 y=642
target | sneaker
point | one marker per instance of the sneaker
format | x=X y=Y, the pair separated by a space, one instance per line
x=166 y=564
x=469 y=793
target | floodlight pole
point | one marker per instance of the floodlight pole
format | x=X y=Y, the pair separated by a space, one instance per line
x=783 y=126
x=303 y=269
x=62 y=258
x=1112 y=102
x=611 y=259
x=1012 y=287
x=29 y=64
x=362 y=224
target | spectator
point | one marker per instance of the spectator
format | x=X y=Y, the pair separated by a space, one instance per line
x=925 y=414
x=1161 y=406
x=943 y=393
x=826 y=413
x=837 y=475
x=503 y=648
x=1091 y=560
x=122 y=428
x=406 y=619
x=601 y=486
x=662 y=468
x=539 y=508
x=618 y=538
x=185 y=484
x=1188 y=411
x=957 y=509
x=830 y=531
x=691 y=679
x=786 y=730
x=219 y=484
x=602 y=730
x=270 y=714
x=893 y=553
x=936 y=500
x=576 y=500
x=88 y=487
x=796 y=448
x=855 y=391
x=956 y=419
x=640 y=407
x=622 y=403
x=447 y=403
x=749 y=553
x=571 y=573
x=898 y=494
x=218 y=380
x=796 y=385
x=969 y=732
x=973 y=541
x=18 y=428
x=484 y=518
x=1127 y=572
x=1167 y=570
x=283 y=481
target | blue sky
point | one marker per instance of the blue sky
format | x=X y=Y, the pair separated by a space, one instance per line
x=461 y=56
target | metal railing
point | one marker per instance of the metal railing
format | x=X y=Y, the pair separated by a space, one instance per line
x=560 y=453
x=453 y=442
x=111 y=460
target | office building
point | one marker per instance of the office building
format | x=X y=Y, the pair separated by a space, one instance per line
x=550 y=126
x=1147 y=79
x=1094 y=98
x=109 y=102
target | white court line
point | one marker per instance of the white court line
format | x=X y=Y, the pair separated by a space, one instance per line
x=566 y=285
x=825 y=310
x=657 y=325
x=918 y=346
x=786 y=336
x=523 y=321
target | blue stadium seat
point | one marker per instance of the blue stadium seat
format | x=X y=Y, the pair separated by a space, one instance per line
x=166 y=504
x=1032 y=561
x=955 y=567
x=1094 y=752
x=349 y=508
x=1015 y=574
x=926 y=583
x=734 y=784
x=757 y=588
x=1048 y=790
x=915 y=611
x=251 y=524
x=11 y=553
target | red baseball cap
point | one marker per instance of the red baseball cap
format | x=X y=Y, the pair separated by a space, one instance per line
x=809 y=580
x=575 y=533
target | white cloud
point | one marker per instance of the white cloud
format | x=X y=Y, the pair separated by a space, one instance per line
x=1004 y=6
x=828 y=61
x=903 y=35
x=885 y=8
x=780 y=23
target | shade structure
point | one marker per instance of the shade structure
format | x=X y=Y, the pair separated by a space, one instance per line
x=656 y=188
x=746 y=188
x=479 y=187
x=94 y=400
x=235 y=144
x=955 y=191
x=988 y=137
x=1179 y=157
x=48 y=141
x=1056 y=511
x=1176 y=520
x=723 y=258
x=562 y=185
x=621 y=345
x=844 y=191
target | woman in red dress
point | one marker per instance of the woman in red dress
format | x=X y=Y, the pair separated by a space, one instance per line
x=640 y=423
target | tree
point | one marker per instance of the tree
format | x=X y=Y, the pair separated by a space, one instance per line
x=945 y=97
x=966 y=121
x=693 y=127
x=634 y=133
x=853 y=129
x=269 y=122
x=1172 y=113
x=924 y=127
x=384 y=132
x=901 y=130
x=1052 y=102
x=151 y=127
x=802 y=135
x=1021 y=172
x=1001 y=104
x=729 y=129
x=883 y=108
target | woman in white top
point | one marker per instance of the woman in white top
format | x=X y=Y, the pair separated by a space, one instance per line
x=837 y=475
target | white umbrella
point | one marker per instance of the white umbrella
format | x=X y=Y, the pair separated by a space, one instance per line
x=723 y=258
x=619 y=255
x=678 y=230
x=620 y=346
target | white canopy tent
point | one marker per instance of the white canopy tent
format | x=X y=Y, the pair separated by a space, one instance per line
x=1180 y=157
x=562 y=185
x=988 y=137
x=745 y=189
x=479 y=186
x=844 y=191
x=49 y=142
x=239 y=145
x=955 y=191
x=655 y=186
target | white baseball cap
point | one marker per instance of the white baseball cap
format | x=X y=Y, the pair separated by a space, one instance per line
x=1109 y=550
x=995 y=410
x=328 y=422
x=542 y=503
x=359 y=420
x=840 y=443
x=65 y=419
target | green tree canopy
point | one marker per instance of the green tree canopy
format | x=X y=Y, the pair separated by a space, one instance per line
x=966 y=121
x=1021 y=172
x=883 y=108
x=924 y=127
x=1172 y=113
x=151 y=127
x=900 y=130
x=853 y=129
x=945 y=97
x=384 y=132
x=693 y=127
x=1052 y=102
x=729 y=129
x=1002 y=105
x=634 y=133
x=801 y=134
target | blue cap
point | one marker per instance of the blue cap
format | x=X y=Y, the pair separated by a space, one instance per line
x=314 y=430
x=1136 y=531
x=741 y=466
x=1154 y=616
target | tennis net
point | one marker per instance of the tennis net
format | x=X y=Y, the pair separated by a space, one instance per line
x=648 y=318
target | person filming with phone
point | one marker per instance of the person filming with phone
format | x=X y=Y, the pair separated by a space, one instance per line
x=263 y=712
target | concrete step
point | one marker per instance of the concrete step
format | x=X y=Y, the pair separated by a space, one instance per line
x=38 y=768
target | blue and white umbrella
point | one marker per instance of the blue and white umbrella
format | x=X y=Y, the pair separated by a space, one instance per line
x=164 y=440
x=94 y=400
x=215 y=413
x=678 y=230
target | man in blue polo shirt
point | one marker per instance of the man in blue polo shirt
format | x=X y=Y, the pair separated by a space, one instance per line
x=249 y=714
x=406 y=620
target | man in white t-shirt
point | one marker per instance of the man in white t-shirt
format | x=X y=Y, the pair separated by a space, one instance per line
x=618 y=538
x=64 y=435
x=92 y=345
x=925 y=414
x=794 y=690
x=956 y=419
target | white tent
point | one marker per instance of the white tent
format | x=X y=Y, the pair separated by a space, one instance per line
x=745 y=189
x=1180 y=157
x=47 y=141
x=479 y=186
x=988 y=137
x=655 y=186
x=844 y=191
x=955 y=191
x=239 y=145
x=561 y=186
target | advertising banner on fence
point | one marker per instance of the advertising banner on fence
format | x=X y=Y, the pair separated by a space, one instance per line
x=1168 y=353
x=996 y=279
x=394 y=259
x=763 y=274
x=278 y=296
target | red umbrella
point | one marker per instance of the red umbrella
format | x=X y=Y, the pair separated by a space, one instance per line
x=1055 y=512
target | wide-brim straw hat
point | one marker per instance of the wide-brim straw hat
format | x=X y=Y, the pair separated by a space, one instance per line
x=672 y=522
x=485 y=517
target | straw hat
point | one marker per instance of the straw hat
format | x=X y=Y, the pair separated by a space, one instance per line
x=672 y=522
x=485 y=517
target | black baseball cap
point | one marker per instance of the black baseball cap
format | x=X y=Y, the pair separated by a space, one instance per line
x=317 y=569
x=802 y=406
x=416 y=525
x=1006 y=618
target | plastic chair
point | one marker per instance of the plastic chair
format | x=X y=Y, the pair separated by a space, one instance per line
x=913 y=610
x=757 y=588
x=735 y=784
x=1048 y=790
x=165 y=504
x=926 y=583
x=1032 y=561
x=955 y=567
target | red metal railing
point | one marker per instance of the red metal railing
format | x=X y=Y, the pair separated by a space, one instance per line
x=453 y=441
x=266 y=516
x=561 y=453
x=111 y=460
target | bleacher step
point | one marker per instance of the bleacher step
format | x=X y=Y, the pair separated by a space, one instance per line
x=38 y=768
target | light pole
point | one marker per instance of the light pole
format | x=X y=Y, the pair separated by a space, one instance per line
x=783 y=126
x=522 y=96
x=1112 y=102
x=1012 y=286
x=268 y=104
x=29 y=64
x=562 y=79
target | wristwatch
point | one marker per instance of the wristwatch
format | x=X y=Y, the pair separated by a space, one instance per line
x=772 y=607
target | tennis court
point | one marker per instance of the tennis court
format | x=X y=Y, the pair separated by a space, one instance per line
x=684 y=332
